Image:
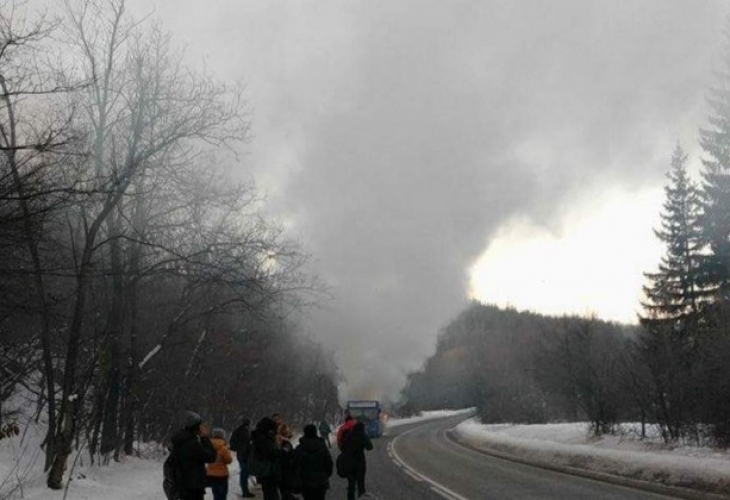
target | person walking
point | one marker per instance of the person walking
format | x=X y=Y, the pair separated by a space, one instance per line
x=353 y=447
x=289 y=466
x=218 y=471
x=345 y=430
x=265 y=458
x=241 y=444
x=192 y=449
x=325 y=431
x=315 y=464
x=286 y=457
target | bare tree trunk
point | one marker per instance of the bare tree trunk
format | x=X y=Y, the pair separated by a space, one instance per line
x=131 y=396
x=94 y=433
x=9 y=137
x=66 y=426
x=110 y=429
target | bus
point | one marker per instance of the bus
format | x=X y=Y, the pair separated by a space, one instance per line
x=369 y=413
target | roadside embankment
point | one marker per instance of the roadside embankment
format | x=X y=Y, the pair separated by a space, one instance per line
x=684 y=471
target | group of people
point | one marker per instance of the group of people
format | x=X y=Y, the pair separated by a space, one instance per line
x=267 y=453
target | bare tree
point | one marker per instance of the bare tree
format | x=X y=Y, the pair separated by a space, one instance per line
x=35 y=138
x=143 y=108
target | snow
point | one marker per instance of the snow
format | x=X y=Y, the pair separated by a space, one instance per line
x=426 y=415
x=22 y=476
x=569 y=445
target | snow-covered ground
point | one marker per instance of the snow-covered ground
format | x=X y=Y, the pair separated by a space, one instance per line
x=22 y=477
x=426 y=415
x=625 y=455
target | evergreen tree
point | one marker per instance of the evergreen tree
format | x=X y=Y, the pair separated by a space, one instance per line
x=675 y=290
x=715 y=213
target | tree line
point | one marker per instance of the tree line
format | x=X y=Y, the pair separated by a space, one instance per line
x=137 y=277
x=671 y=370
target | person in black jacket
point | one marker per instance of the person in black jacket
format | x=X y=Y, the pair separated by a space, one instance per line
x=315 y=464
x=353 y=448
x=289 y=484
x=241 y=443
x=192 y=449
x=265 y=459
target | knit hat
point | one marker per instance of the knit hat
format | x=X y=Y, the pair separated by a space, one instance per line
x=310 y=431
x=191 y=419
x=219 y=433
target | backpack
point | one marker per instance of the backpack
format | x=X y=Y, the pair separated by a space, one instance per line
x=171 y=482
x=259 y=467
x=344 y=465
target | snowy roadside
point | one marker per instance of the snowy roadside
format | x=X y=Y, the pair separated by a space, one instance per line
x=22 y=476
x=553 y=445
x=426 y=415
x=567 y=445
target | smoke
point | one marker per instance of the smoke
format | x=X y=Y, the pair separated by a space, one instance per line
x=396 y=138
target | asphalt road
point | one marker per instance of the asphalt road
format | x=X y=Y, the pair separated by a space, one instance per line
x=418 y=462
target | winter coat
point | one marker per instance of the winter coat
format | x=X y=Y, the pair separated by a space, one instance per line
x=265 y=455
x=192 y=453
x=289 y=467
x=355 y=445
x=344 y=430
x=324 y=428
x=241 y=442
x=315 y=463
x=219 y=468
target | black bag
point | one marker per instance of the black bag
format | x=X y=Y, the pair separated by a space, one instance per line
x=259 y=468
x=343 y=465
x=264 y=469
x=171 y=477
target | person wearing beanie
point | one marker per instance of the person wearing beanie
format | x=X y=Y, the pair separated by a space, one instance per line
x=218 y=471
x=193 y=449
x=315 y=464
x=265 y=459
x=241 y=444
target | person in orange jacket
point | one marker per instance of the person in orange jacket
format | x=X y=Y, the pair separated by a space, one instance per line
x=217 y=472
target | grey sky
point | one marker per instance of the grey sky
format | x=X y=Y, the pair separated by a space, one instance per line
x=395 y=137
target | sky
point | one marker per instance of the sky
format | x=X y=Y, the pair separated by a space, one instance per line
x=427 y=152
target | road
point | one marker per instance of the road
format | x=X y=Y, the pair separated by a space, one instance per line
x=418 y=462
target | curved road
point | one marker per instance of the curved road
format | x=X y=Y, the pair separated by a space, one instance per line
x=418 y=462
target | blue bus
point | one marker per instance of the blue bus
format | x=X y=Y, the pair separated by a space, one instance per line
x=369 y=413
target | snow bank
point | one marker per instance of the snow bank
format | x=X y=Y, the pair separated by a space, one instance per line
x=22 y=476
x=568 y=445
x=427 y=415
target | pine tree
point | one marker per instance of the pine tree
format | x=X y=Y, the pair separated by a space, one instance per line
x=715 y=196
x=675 y=290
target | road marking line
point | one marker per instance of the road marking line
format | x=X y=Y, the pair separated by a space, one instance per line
x=443 y=494
x=436 y=487
x=412 y=475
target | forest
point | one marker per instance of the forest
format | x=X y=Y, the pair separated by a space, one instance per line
x=139 y=276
